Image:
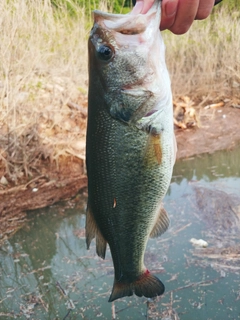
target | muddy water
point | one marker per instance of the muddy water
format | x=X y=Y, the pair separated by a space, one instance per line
x=47 y=273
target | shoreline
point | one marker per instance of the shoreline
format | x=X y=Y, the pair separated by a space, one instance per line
x=218 y=130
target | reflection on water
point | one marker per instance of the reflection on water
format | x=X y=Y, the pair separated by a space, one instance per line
x=47 y=273
x=217 y=167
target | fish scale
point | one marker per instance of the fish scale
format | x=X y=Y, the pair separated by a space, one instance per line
x=130 y=146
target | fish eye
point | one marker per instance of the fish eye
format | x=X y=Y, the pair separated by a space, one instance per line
x=104 y=52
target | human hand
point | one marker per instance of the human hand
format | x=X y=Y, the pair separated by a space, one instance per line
x=178 y=15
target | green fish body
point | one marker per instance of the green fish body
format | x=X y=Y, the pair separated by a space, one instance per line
x=130 y=146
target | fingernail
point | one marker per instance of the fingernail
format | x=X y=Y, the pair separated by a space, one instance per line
x=171 y=8
x=138 y=7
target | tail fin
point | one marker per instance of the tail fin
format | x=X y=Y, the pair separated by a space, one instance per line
x=146 y=285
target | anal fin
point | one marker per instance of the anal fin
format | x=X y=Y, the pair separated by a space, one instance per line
x=161 y=225
x=101 y=244
x=92 y=231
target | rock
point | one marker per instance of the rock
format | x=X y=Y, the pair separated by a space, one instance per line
x=235 y=84
x=199 y=243
x=4 y=181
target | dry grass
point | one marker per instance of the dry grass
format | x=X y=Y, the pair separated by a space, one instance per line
x=44 y=66
x=206 y=60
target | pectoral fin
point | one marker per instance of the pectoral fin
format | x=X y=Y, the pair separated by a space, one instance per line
x=93 y=231
x=153 y=150
x=156 y=142
x=161 y=224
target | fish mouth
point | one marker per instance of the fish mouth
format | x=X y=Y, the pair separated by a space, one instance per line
x=128 y=24
x=123 y=24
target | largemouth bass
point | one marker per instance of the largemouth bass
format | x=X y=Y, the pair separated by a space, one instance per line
x=130 y=144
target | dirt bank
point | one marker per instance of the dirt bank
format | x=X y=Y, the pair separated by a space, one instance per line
x=217 y=129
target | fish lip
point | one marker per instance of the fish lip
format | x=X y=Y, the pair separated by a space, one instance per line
x=126 y=23
x=116 y=16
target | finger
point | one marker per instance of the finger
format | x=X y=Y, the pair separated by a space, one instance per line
x=168 y=14
x=186 y=13
x=204 y=9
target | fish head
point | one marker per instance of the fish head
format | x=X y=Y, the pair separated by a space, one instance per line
x=127 y=62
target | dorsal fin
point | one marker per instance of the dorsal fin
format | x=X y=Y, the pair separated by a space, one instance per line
x=161 y=224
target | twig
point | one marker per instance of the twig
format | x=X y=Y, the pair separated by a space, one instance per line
x=7 y=315
x=179 y=124
x=67 y=314
x=113 y=311
x=147 y=309
x=123 y=309
x=70 y=304
x=182 y=228
x=215 y=105
x=35 y=179
x=43 y=304
x=79 y=108
x=194 y=284
x=63 y=292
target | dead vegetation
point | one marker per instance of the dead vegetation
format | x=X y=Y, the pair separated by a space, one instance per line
x=205 y=61
x=43 y=78
x=185 y=115
x=43 y=84
x=219 y=210
x=43 y=70
x=220 y=213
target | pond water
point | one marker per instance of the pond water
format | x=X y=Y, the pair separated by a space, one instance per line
x=47 y=273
